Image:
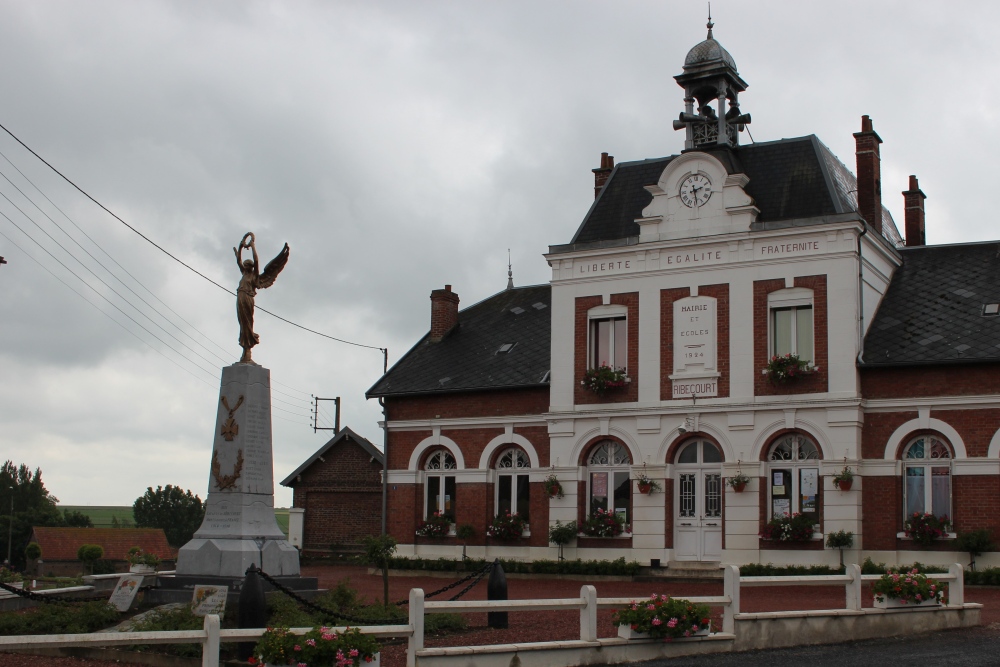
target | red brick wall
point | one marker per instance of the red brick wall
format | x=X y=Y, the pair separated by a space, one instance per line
x=915 y=381
x=877 y=429
x=976 y=503
x=454 y=405
x=811 y=384
x=976 y=427
x=341 y=496
x=668 y=514
x=631 y=391
x=881 y=508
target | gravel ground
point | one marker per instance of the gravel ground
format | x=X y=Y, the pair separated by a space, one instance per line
x=553 y=625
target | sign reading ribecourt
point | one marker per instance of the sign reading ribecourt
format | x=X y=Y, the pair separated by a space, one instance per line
x=695 y=331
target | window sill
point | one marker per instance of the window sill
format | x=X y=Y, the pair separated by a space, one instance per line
x=623 y=536
x=901 y=535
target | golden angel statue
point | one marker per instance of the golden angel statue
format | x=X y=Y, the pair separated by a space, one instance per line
x=252 y=281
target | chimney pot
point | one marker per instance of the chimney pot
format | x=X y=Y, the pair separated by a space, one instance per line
x=602 y=173
x=913 y=202
x=869 y=174
x=444 y=313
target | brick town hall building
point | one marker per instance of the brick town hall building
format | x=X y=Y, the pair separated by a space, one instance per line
x=689 y=273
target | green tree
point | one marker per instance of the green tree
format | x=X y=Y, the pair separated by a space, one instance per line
x=75 y=519
x=178 y=512
x=378 y=552
x=32 y=506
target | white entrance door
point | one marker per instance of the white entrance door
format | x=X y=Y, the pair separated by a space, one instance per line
x=698 y=503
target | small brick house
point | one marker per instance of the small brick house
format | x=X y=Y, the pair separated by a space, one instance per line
x=60 y=546
x=339 y=490
x=692 y=275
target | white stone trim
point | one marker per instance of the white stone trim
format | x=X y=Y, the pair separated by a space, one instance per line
x=635 y=452
x=728 y=454
x=975 y=466
x=767 y=433
x=994 y=450
x=924 y=421
x=508 y=437
x=465 y=422
x=436 y=440
x=934 y=403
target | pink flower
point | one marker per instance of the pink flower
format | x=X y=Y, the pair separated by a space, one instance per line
x=672 y=623
x=354 y=653
x=297 y=647
x=650 y=607
x=311 y=642
x=657 y=621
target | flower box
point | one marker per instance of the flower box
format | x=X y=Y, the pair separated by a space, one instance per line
x=376 y=662
x=139 y=568
x=626 y=632
x=893 y=603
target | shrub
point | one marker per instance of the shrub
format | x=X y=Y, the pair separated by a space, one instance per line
x=925 y=528
x=974 y=543
x=53 y=619
x=33 y=551
x=137 y=557
x=663 y=616
x=769 y=570
x=163 y=620
x=562 y=533
x=8 y=576
x=794 y=528
x=103 y=566
x=88 y=553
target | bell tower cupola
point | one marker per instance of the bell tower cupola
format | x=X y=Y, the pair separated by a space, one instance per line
x=710 y=78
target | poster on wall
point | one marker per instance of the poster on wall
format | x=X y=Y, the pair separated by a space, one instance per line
x=781 y=506
x=599 y=485
x=808 y=489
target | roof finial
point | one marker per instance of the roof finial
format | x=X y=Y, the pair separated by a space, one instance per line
x=710 y=25
x=510 y=273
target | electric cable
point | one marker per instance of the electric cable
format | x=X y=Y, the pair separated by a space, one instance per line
x=169 y=254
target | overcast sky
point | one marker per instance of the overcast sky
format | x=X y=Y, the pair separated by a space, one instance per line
x=397 y=147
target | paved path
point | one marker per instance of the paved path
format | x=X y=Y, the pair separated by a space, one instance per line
x=973 y=647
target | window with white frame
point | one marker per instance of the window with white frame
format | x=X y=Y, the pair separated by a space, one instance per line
x=608 y=476
x=512 y=483
x=793 y=480
x=927 y=476
x=439 y=484
x=607 y=333
x=790 y=323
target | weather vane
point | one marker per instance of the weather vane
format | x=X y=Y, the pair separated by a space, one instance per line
x=252 y=281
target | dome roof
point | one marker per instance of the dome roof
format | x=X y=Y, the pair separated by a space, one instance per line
x=708 y=51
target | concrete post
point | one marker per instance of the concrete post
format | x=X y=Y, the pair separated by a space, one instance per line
x=588 y=615
x=210 y=649
x=416 y=642
x=956 y=588
x=252 y=609
x=731 y=589
x=496 y=589
x=853 y=592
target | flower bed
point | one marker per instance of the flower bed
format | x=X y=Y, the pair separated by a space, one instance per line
x=906 y=588
x=664 y=617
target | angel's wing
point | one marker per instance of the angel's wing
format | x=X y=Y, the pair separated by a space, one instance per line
x=273 y=268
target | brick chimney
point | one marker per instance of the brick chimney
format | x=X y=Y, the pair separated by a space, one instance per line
x=444 y=312
x=914 y=204
x=869 y=174
x=602 y=173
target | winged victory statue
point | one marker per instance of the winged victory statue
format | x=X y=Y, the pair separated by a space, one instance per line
x=252 y=281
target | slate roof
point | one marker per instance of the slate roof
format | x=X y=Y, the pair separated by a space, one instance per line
x=61 y=544
x=790 y=179
x=468 y=358
x=344 y=434
x=932 y=311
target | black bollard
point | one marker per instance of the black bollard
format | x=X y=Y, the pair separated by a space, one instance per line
x=496 y=589
x=252 y=609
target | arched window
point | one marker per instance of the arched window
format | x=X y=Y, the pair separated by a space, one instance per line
x=439 y=484
x=512 y=482
x=793 y=476
x=608 y=468
x=927 y=475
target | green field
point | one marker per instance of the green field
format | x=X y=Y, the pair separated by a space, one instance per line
x=101 y=515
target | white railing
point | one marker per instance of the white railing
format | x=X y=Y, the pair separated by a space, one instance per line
x=211 y=635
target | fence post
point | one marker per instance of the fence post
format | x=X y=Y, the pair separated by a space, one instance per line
x=853 y=592
x=416 y=641
x=731 y=589
x=588 y=615
x=956 y=588
x=210 y=649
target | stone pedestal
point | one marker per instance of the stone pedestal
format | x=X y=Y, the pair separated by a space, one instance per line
x=239 y=527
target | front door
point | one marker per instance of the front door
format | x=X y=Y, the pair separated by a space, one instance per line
x=698 y=503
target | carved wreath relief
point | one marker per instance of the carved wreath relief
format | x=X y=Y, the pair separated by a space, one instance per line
x=230 y=429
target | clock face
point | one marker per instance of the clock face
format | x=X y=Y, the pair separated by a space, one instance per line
x=695 y=190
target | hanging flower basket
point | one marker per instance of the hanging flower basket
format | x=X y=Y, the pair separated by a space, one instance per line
x=781 y=369
x=738 y=482
x=646 y=485
x=553 y=487
x=602 y=379
x=844 y=479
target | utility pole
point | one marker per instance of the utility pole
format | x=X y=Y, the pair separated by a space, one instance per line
x=10 y=525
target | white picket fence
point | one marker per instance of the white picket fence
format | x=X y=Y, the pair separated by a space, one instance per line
x=211 y=635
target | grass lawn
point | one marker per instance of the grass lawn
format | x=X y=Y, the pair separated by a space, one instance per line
x=101 y=515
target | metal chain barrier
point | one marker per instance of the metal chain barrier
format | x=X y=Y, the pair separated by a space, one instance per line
x=312 y=605
x=59 y=599
x=476 y=575
x=486 y=570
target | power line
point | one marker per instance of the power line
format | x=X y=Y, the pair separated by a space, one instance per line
x=169 y=254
